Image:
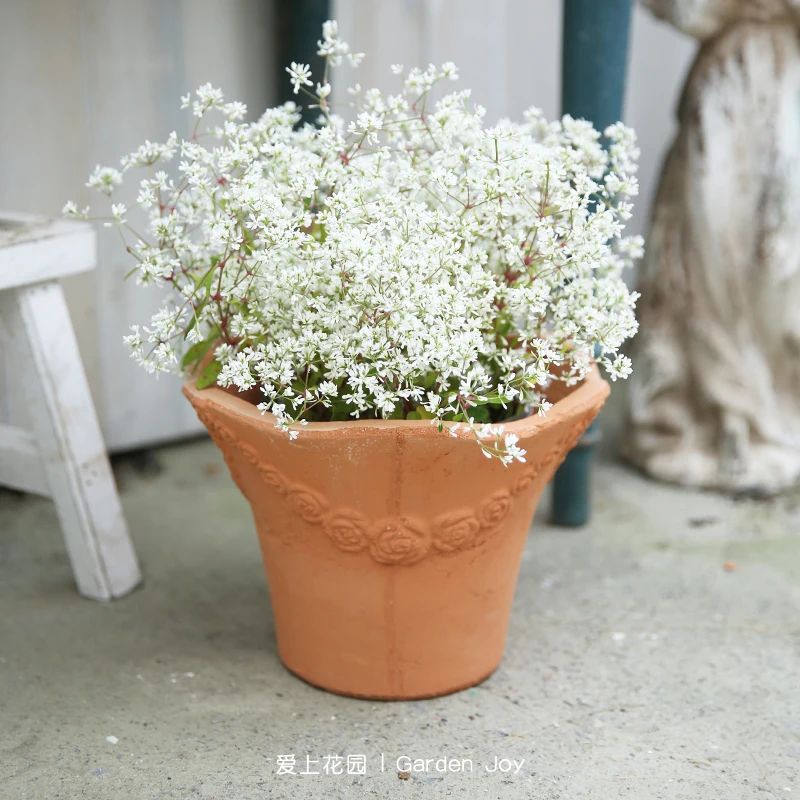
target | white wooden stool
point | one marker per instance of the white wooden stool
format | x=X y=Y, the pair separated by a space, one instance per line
x=63 y=456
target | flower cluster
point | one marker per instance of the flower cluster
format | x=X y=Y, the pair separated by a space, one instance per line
x=409 y=264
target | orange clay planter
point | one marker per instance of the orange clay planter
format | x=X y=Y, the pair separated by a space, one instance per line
x=391 y=550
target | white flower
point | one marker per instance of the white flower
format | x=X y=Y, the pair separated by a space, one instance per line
x=414 y=264
x=71 y=210
x=512 y=452
x=328 y=389
x=104 y=179
x=193 y=335
x=207 y=97
x=235 y=110
x=620 y=367
x=543 y=406
x=150 y=152
x=299 y=75
x=330 y=46
x=450 y=70
x=134 y=340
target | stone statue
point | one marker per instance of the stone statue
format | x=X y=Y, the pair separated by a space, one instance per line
x=715 y=394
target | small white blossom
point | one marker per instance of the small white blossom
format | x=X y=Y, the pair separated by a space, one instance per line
x=512 y=452
x=450 y=70
x=299 y=75
x=207 y=98
x=330 y=46
x=235 y=111
x=71 y=210
x=620 y=367
x=104 y=179
x=150 y=153
x=134 y=340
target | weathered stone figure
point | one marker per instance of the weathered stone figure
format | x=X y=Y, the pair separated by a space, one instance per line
x=715 y=394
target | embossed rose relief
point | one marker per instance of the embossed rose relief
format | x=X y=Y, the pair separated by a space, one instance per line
x=402 y=541
x=347 y=529
x=456 y=531
x=399 y=541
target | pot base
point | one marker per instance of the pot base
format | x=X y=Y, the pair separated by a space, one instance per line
x=428 y=695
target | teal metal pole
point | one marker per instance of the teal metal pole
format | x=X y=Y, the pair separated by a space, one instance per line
x=593 y=66
x=594 y=59
x=299 y=27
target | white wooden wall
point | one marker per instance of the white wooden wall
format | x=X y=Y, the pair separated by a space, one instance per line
x=84 y=81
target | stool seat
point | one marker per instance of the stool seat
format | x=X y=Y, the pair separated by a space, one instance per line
x=35 y=249
x=63 y=455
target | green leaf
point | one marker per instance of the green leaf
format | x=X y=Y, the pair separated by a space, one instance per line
x=205 y=281
x=190 y=326
x=480 y=414
x=413 y=415
x=503 y=327
x=208 y=377
x=423 y=414
x=340 y=411
x=196 y=352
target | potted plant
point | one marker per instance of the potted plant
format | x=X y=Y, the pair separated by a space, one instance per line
x=390 y=329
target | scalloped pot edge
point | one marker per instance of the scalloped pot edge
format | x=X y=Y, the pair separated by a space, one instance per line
x=590 y=393
x=401 y=540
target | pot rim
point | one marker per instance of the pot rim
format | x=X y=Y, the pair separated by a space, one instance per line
x=591 y=392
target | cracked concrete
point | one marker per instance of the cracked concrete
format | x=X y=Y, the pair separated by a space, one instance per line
x=653 y=654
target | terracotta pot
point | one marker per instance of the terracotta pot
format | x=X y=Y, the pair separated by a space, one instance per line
x=391 y=550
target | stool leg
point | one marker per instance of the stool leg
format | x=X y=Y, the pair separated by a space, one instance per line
x=47 y=362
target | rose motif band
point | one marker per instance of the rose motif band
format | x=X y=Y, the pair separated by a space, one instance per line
x=399 y=541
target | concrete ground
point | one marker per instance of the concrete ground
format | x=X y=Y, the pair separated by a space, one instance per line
x=653 y=654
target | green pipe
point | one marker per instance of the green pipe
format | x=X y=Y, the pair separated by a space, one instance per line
x=594 y=59
x=593 y=65
x=299 y=27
